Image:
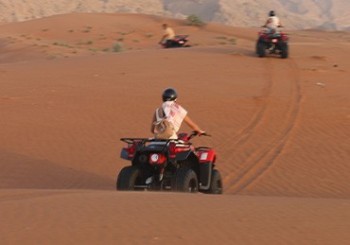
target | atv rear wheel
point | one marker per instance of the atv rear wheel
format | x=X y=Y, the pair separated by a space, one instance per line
x=129 y=178
x=261 y=49
x=284 y=50
x=215 y=184
x=186 y=180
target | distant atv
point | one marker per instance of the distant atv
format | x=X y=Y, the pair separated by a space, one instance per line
x=174 y=165
x=272 y=42
x=178 y=42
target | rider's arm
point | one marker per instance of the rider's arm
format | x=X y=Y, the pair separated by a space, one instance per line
x=152 y=125
x=163 y=38
x=267 y=22
x=194 y=126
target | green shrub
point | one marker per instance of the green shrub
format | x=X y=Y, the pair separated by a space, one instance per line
x=233 y=41
x=118 y=47
x=194 y=20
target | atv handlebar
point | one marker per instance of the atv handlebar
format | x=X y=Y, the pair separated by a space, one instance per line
x=279 y=26
x=195 y=133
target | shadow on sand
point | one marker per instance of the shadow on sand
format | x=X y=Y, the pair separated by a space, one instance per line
x=20 y=171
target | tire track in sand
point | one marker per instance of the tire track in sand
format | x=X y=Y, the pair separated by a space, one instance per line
x=237 y=142
x=244 y=134
x=264 y=139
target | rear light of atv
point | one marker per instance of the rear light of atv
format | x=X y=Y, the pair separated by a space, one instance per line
x=172 y=149
x=131 y=150
x=262 y=35
x=284 y=37
x=156 y=158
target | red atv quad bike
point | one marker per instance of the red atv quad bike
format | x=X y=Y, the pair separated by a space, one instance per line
x=272 y=42
x=173 y=164
x=178 y=42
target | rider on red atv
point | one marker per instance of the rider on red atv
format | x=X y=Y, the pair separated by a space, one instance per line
x=170 y=40
x=272 y=40
x=272 y=22
x=174 y=113
x=168 y=35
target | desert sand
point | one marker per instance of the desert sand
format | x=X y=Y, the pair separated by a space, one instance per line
x=73 y=85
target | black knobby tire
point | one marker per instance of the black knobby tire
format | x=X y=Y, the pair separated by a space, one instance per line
x=284 y=50
x=216 y=183
x=186 y=180
x=129 y=177
x=261 y=49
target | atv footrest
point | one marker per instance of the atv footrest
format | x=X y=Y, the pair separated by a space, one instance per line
x=141 y=186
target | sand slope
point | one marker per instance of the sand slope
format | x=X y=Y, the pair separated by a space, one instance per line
x=280 y=128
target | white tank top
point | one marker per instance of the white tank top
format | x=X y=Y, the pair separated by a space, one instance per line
x=273 y=22
x=174 y=113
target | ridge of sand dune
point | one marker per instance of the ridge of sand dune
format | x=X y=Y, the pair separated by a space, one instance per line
x=280 y=128
x=323 y=14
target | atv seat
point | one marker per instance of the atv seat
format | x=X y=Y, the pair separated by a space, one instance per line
x=180 y=145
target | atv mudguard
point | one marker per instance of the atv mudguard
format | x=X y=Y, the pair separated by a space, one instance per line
x=207 y=159
x=181 y=156
x=205 y=172
x=203 y=165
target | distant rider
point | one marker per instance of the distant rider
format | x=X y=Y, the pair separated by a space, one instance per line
x=168 y=35
x=272 y=22
x=175 y=113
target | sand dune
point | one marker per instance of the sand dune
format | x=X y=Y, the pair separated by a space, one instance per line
x=322 y=14
x=280 y=128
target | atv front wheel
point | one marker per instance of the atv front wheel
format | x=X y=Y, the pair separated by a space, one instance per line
x=186 y=180
x=129 y=178
x=215 y=184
